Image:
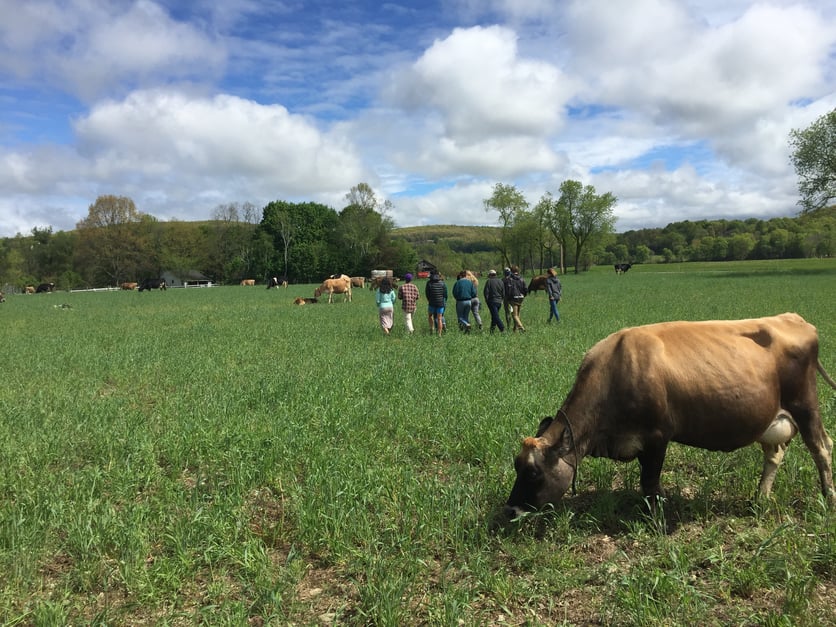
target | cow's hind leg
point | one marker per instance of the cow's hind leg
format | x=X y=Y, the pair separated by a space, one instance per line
x=773 y=455
x=774 y=443
x=821 y=448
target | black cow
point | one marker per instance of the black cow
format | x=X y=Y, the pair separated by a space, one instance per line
x=277 y=282
x=152 y=284
x=621 y=268
x=45 y=288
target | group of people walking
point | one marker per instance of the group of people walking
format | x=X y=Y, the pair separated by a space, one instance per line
x=508 y=292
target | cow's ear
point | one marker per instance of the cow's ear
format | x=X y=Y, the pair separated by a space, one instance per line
x=545 y=423
x=532 y=444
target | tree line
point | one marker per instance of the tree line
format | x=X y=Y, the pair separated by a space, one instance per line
x=117 y=243
x=307 y=241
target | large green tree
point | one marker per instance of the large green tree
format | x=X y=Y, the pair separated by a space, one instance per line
x=112 y=244
x=508 y=202
x=587 y=216
x=308 y=235
x=365 y=229
x=814 y=158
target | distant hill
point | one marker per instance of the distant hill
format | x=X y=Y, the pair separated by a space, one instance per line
x=452 y=247
x=467 y=239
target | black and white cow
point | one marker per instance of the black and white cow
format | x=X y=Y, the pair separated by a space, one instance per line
x=153 y=284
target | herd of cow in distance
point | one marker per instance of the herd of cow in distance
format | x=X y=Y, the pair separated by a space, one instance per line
x=718 y=385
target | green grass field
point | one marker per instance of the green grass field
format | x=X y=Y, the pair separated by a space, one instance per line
x=221 y=456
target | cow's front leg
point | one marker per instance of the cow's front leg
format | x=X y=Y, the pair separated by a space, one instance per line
x=651 y=460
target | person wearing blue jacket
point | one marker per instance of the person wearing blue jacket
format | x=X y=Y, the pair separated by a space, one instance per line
x=464 y=292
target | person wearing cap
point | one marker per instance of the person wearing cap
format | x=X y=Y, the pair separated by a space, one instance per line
x=408 y=295
x=436 y=293
x=515 y=291
x=494 y=293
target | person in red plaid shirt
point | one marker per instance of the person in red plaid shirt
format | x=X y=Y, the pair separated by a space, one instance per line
x=408 y=294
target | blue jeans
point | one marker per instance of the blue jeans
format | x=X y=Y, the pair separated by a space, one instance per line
x=553 y=311
x=496 y=320
x=463 y=312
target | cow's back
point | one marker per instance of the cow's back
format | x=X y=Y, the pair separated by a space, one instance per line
x=712 y=384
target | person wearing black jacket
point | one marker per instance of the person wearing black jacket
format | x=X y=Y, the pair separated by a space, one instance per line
x=436 y=293
x=494 y=293
x=515 y=291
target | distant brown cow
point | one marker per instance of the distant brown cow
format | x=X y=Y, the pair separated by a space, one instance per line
x=299 y=300
x=249 y=282
x=538 y=283
x=129 y=286
x=342 y=285
x=2 y=297
x=29 y=289
x=358 y=281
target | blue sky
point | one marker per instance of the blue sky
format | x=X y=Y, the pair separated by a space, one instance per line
x=682 y=109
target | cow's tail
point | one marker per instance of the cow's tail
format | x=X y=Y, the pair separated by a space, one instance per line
x=824 y=374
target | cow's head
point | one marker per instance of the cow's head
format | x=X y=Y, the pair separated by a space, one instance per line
x=543 y=472
x=317 y=292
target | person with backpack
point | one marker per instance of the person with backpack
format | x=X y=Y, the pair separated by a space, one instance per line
x=515 y=292
x=436 y=294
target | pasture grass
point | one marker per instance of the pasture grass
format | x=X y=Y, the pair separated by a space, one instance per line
x=222 y=456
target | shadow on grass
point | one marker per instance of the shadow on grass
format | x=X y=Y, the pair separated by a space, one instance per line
x=616 y=513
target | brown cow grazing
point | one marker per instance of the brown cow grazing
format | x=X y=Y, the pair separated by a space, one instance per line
x=29 y=289
x=248 y=282
x=341 y=285
x=358 y=281
x=537 y=283
x=129 y=286
x=716 y=385
x=299 y=300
